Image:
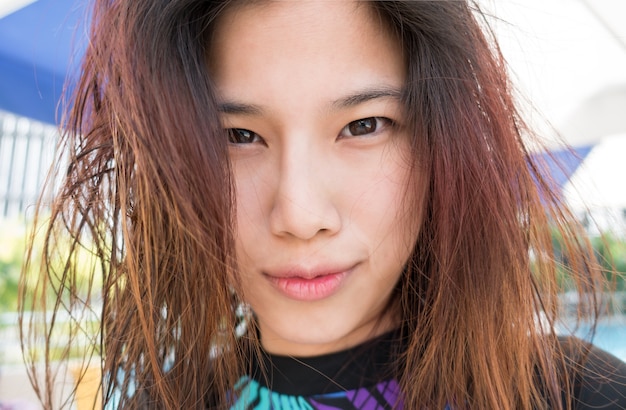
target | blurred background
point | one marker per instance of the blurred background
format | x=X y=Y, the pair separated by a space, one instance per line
x=567 y=59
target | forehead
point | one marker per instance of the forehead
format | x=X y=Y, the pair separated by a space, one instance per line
x=299 y=15
x=312 y=46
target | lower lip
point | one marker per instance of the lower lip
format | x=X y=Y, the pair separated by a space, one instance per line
x=309 y=290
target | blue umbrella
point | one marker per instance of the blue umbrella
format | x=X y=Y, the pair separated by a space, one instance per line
x=40 y=47
x=560 y=164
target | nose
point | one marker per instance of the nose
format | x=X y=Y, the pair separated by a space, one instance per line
x=304 y=204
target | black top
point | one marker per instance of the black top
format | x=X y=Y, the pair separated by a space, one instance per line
x=361 y=378
x=600 y=378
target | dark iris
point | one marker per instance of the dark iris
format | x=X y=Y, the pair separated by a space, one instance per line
x=362 y=126
x=241 y=136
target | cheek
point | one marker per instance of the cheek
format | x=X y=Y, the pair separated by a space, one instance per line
x=383 y=206
x=389 y=231
x=250 y=215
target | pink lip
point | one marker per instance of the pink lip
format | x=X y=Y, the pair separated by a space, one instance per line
x=308 y=286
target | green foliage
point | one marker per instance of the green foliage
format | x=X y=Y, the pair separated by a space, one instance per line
x=14 y=235
x=12 y=247
x=610 y=251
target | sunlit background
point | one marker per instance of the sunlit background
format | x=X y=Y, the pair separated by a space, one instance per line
x=566 y=57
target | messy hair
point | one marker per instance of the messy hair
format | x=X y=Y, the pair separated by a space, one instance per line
x=147 y=190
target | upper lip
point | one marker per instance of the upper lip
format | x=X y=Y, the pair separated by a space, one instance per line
x=311 y=272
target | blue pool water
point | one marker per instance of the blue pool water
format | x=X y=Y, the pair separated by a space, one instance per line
x=610 y=336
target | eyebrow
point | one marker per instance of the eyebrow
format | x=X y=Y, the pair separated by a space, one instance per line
x=360 y=97
x=232 y=107
x=350 y=100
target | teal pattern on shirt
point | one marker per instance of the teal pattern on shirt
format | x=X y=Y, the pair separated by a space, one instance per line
x=250 y=395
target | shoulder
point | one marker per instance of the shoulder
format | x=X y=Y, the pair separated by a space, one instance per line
x=598 y=379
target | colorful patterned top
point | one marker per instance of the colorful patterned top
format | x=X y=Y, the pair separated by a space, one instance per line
x=362 y=379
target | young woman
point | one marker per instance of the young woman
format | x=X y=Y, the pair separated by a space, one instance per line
x=315 y=205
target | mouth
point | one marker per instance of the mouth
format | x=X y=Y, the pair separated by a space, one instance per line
x=309 y=287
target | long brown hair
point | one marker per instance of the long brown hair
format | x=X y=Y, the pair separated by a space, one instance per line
x=148 y=192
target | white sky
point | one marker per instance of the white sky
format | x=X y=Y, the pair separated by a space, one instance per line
x=561 y=54
x=564 y=54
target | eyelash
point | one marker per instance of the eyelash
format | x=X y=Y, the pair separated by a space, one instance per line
x=242 y=136
x=239 y=136
x=380 y=123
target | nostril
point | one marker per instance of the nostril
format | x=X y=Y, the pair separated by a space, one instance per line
x=304 y=219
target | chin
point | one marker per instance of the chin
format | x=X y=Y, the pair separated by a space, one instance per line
x=303 y=338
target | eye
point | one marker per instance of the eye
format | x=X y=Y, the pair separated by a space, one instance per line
x=242 y=136
x=364 y=126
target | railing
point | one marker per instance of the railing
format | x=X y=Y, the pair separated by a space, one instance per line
x=26 y=152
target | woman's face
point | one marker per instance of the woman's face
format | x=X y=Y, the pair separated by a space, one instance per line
x=312 y=94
